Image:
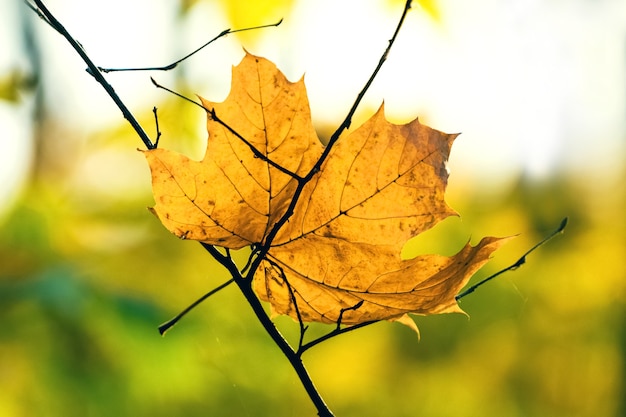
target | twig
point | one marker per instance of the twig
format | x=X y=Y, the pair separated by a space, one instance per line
x=44 y=13
x=213 y=115
x=334 y=333
x=163 y=328
x=343 y=310
x=158 y=131
x=348 y=120
x=521 y=261
x=189 y=55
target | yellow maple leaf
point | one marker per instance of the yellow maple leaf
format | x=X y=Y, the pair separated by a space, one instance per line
x=337 y=258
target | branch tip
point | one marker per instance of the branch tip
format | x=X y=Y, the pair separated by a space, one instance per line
x=163 y=328
x=521 y=261
x=174 y=64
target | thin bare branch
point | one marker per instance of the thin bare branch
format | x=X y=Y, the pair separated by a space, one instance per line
x=92 y=69
x=158 y=131
x=343 y=310
x=348 y=120
x=521 y=261
x=189 y=55
x=334 y=333
x=163 y=328
x=213 y=115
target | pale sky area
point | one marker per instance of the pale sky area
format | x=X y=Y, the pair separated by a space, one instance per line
x=534 y=86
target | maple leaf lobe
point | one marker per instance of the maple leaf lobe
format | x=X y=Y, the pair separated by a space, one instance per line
x=231 y=198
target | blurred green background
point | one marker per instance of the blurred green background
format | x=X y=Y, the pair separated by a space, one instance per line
x=87 y=274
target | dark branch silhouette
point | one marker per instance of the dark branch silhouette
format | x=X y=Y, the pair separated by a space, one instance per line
x=213 y=115
x=189 y=55
x=163 y=328
x=49 y=18
x=521 y=261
